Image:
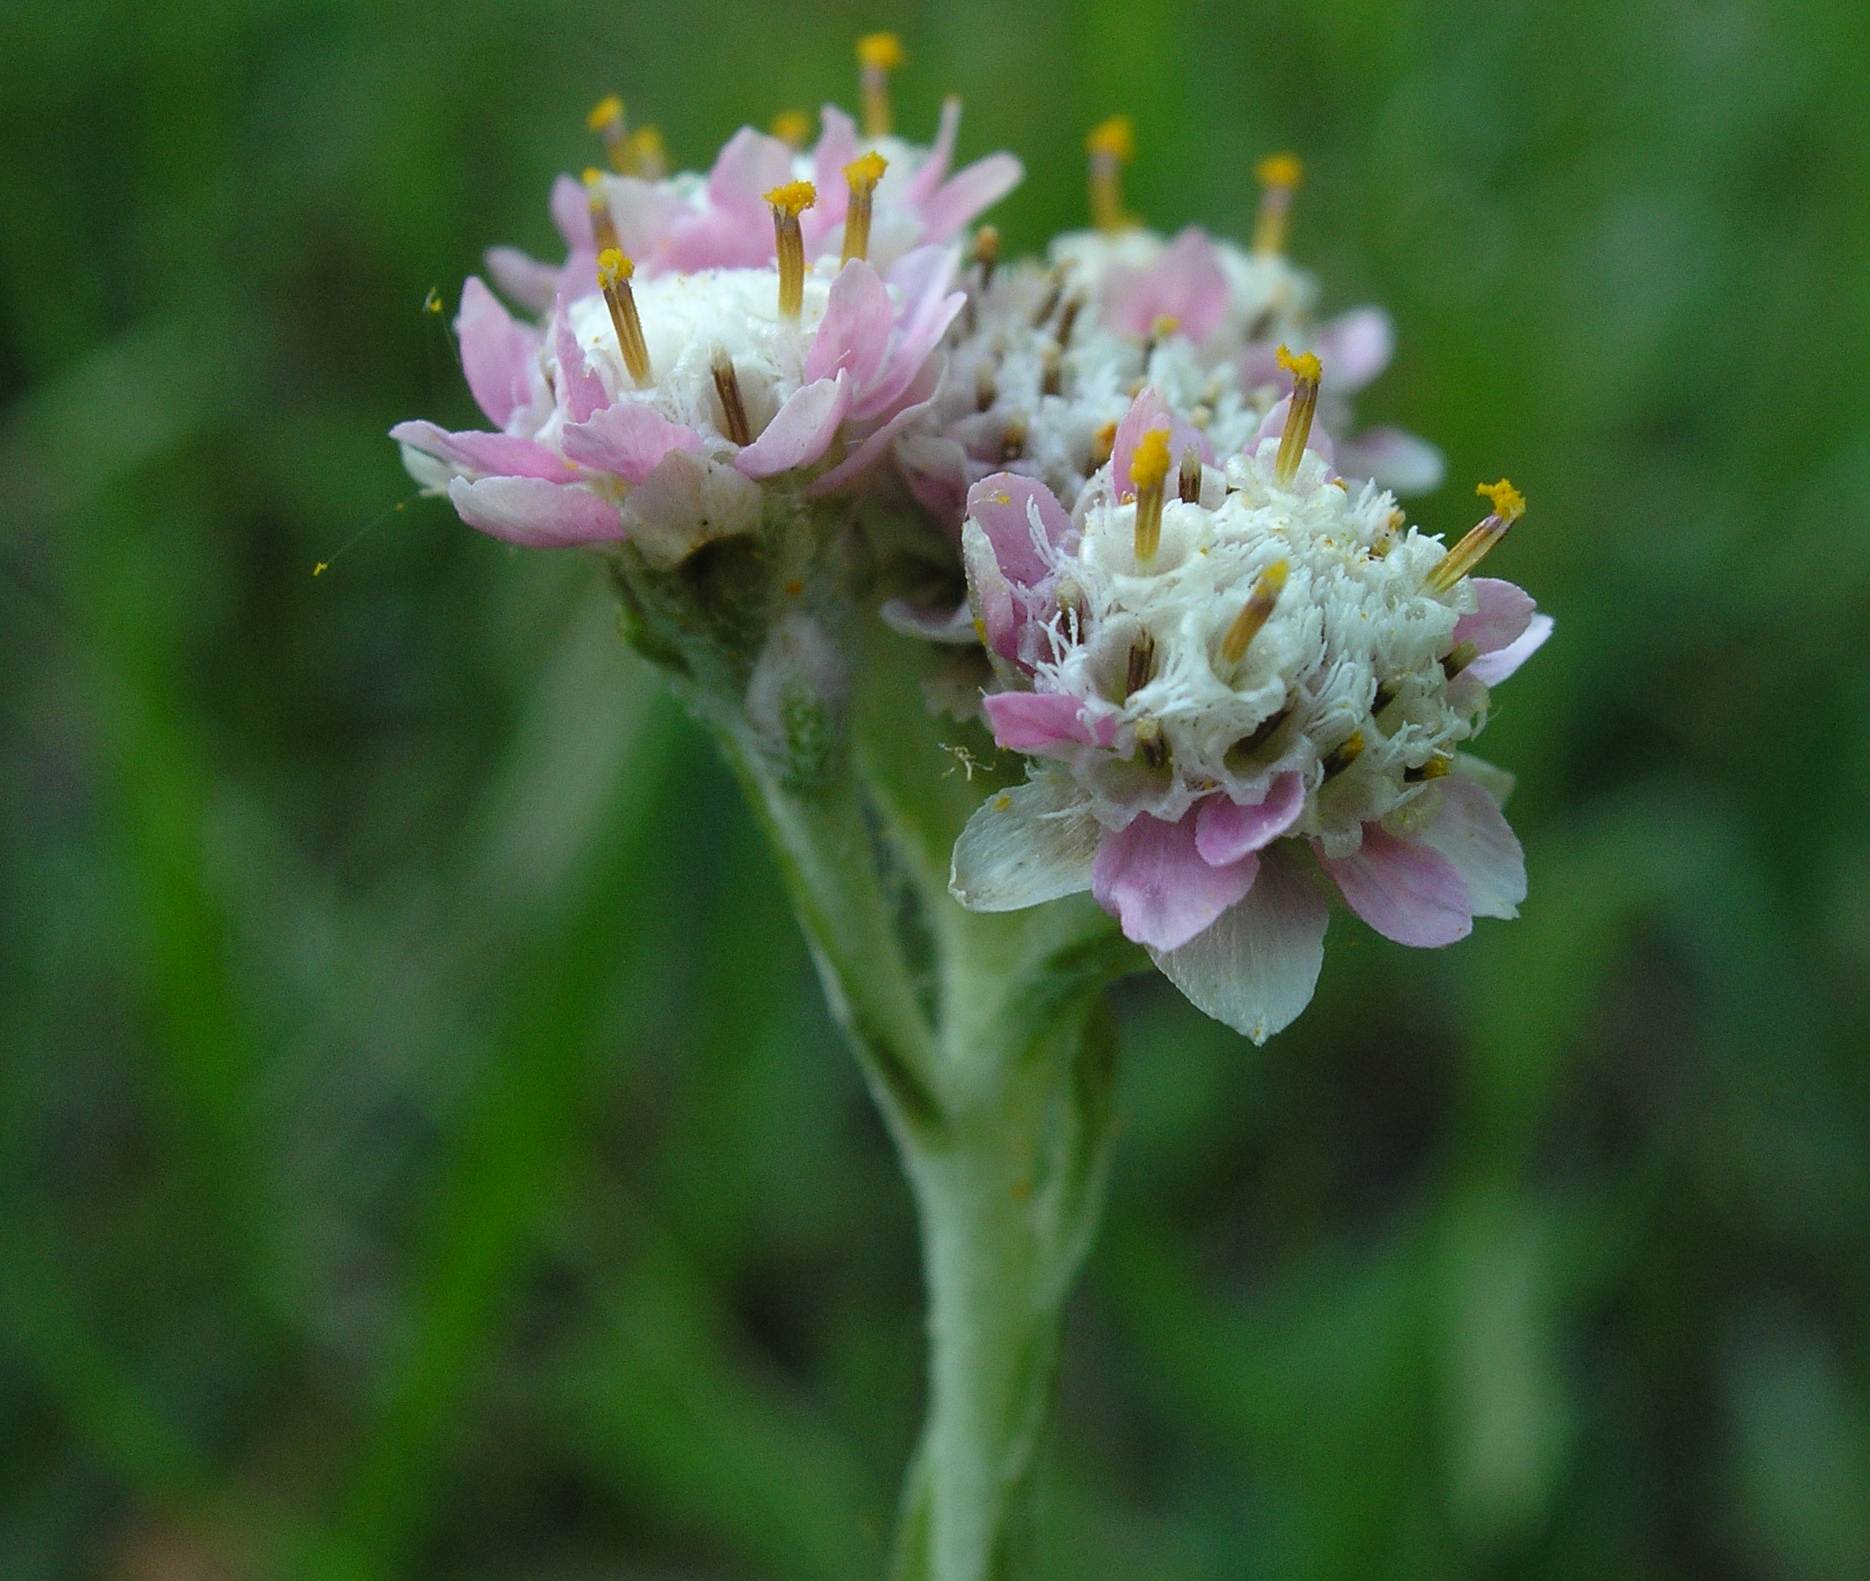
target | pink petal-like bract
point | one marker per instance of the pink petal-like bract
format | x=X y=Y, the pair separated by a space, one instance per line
x=1150 y=877
x=628 y=439
x=1040 y=721
x=1226 y=831
x=1018 y=514
x=498 y=355
x=534 y=513
x=801 y=430
x=1407 y=891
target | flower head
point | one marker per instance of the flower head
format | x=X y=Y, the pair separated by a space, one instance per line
x=1276 y=675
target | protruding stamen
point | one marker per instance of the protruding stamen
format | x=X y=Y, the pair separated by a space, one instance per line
x=986 y=385
x=1255 y=612
x=1150 y=743
x=1188 y=480
x=1068 y=320
x=793 y=128
x=1460 y=656
x=789 y=202
x=606 y=120
x=1013 y=439
x=613 y=279
x=1111 y=145
x=1051 y=370
x=1279 y=176
x=878 y=54
x=1103 y=442
x=603 y=226
x=1048 y=304
x=646 y=154
x=1306 y=373
x=1385 y=694
x=1438 y=767
x=987 y=253
x=1508 y=506
x=1346 y=754
x=727 y=388
x=863 y=174
x=1149 y=466
x=1142 y=665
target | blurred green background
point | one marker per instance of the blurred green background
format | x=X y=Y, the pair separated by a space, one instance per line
x=423 y=1150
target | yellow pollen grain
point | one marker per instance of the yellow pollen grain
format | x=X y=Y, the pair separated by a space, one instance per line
x=1304 y=368
x=1149 y=465
x=1508 y=503
x=866 y=170
x=880 y=52
x=793 y=127
x=608 y=111
x=613 y=266
x=794 y=198
x=1114 y=138
x=1280 y=170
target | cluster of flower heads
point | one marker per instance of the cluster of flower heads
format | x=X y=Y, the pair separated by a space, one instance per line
x=1239 y=673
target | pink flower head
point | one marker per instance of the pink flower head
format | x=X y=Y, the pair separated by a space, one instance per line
x=1231 y=696
x=1182 y=292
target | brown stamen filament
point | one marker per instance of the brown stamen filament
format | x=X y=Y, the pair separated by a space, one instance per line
x=613 y=279
x=986 y=386
x=1013 y=439
x=1111 y=146
x=1254 y=613
x=1068 y=320
x=1051 y=371
x=733 y=408
x=1345 y=755
x=607 y=121
x=863 y=175
x=1150 y=743
x=1149 y=468
x=1306 y=375
x=878 y=54
x=1262 y=733
x=986 y=254
x=1142 y=665
x=603 y=226
x=1437 y=767
x=1280 y=175
x=788 y=203
x=1508 y=506
x=1462 y=655
x=1188 y=480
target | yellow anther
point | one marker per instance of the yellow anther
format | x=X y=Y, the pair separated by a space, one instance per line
x=789 y=202
x=1280 y=175
x=1111 y=145
x=1149 y=467
x=878 y=54
x=793 y=127
x=1280 y=170
x=1440 y=766
x=863 y=173
x=647 y=154
x=793 y=199
x=606 y=119
x=1306 y=372
x=1254 y=614
x=1508 y=506
x=1305 y=365
x=1103 y=441
x=880 y=51
x=603 y=227
x=1508 y=503
x=613 y=279
x=1164 y=325
x=1114 y=138
x=1347 y=753
x=866 y=170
